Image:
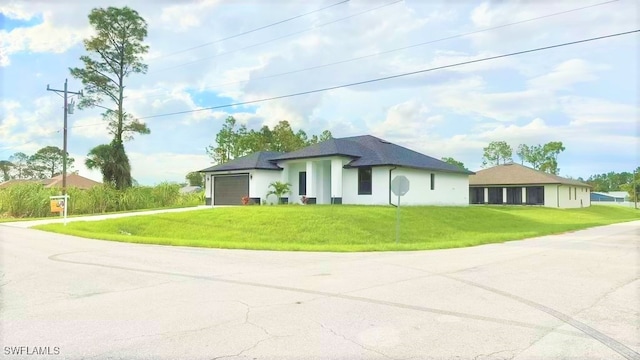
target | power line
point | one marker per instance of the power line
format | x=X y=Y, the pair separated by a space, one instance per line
x=391 y=50
x=249 y=31
x=393 y=76
x=275 y=39
x=5 y=148
x=368 y=81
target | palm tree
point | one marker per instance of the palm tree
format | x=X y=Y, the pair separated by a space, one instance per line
x=279 y=189
x=113 y=163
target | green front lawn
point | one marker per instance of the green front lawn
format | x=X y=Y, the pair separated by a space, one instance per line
x=345 y=228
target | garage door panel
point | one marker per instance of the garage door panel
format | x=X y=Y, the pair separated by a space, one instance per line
x=229 y=189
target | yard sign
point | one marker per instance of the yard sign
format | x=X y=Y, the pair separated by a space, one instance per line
x=59 y=205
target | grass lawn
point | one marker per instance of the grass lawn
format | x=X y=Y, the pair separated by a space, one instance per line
x=345 y=228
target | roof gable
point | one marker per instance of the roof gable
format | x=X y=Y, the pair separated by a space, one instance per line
x=516 y=174
x=73 y=180
x=257 y=160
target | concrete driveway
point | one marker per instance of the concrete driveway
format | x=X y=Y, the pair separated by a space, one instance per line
x=571 y=296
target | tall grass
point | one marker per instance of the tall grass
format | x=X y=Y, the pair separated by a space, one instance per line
x=32 y=200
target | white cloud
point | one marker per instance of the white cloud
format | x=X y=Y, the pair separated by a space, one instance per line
x=44 y=37
x=183 y=17
x=583 y=111
x=406 y=119
x=566 y=74
x=150 y=169
x=16 y=10
x=90 y=127
x=550 y=95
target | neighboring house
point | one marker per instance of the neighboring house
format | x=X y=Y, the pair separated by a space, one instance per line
x=353 y=170
x=189 y=189
x=73 y=180
x=516 y=184
x=12 y=182
x=612 y=196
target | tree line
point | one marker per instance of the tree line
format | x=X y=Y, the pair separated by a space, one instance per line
x=543 y=157
x=44 y=164
x=233 y=140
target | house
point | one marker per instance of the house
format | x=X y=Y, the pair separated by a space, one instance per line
x=517 y=184
x=12 y=182
x=73 y=180
x=611 y=196
x=189 y=189
x=352 y=170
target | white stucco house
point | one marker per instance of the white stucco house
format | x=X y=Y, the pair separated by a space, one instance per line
x=352 y=170
x=516 y=184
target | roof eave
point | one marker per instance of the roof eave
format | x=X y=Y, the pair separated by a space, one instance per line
x=466 y=172
x=313 y=157
x=240 y=169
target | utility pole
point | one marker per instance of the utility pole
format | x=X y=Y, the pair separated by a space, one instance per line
x=64 y=142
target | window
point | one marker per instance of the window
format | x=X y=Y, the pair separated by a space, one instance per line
x=514 y=195
x=364 y=181
x=476 y=195
x=569 y=192
x=495 y=195
x=535 y=195
x=433 y=180
x=574 y=194
x=302 y=183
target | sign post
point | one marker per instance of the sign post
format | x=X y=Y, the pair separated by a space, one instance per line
x=399 y=186
x=59 y=205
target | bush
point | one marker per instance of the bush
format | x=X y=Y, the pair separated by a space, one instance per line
x=32 y=200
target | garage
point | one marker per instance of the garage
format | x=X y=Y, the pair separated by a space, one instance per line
x=229 y=189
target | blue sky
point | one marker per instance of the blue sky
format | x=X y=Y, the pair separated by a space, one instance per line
x=584 y=95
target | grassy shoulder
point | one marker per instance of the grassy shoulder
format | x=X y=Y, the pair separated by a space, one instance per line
x=53 y=216
x=345 y=228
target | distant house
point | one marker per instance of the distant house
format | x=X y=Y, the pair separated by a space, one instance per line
x=189 y=189
x=12 y=182
x=515 y=184
x=352 y=170
x=611 y=196
x=73 y=180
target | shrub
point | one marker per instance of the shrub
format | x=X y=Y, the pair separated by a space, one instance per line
x=32 y=200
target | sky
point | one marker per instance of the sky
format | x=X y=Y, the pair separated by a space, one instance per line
x=585 y=95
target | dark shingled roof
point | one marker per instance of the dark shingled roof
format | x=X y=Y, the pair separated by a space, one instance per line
x=516 y=174
x=369 y=150
x=258 y=160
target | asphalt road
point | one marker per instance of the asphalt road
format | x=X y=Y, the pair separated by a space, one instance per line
x=571 y=296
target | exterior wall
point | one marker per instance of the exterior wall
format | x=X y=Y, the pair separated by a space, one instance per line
x=555 y=195
x=325 y=174
x=259 y=181
x=292 y=178
x=450 y=188
x=324 y=178
x=379 y=187
x=208 y=191
x=552 y=194
x=580 y=197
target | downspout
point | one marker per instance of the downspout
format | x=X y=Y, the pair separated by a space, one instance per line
x=558 y=196
x=390 y=170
